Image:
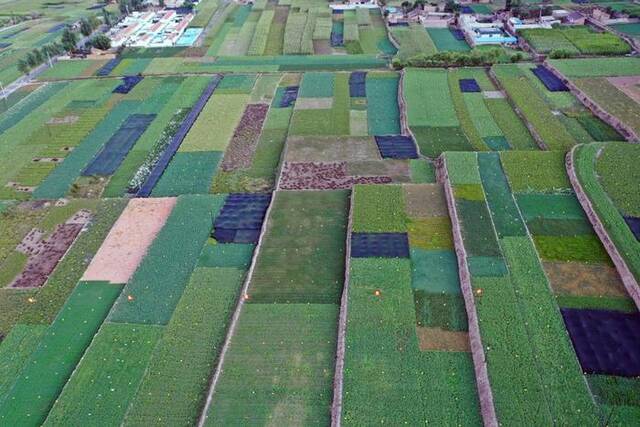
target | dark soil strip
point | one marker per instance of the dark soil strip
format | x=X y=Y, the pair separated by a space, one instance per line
x=40 y=265
x=239 y=154
x=323 y=176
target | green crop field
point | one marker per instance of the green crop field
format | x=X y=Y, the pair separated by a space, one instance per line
x=316 y=214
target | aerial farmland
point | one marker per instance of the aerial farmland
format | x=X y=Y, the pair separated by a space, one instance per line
x=319 y=213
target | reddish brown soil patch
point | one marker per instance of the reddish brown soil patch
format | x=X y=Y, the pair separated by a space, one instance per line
x=44 y=254
x=127 y=242
x=439 y=339
x=323 y=176
x=574 y=278
x=425 y=200
x=242 y=147
x=322 y=47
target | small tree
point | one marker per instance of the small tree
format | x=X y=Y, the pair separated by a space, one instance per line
x=101 y=42
x=94 y=21
x=106 y=17
x=85 y=27
x=69 y=40
x=31 y=60
x=23 y=66
x=39 y=58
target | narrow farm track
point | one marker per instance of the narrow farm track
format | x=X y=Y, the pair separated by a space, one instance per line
x=202 y=419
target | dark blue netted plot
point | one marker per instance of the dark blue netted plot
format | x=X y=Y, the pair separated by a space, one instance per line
x=4 y=45
x=289 y=96
x=357 y=84
x=379 y=245
x=457 y=34
x=634 y=225
x=469 y=85
x=337 y=34
x=107 y=68
x=398 y=24
x=337 y=39
x=466 y=10
x=172 y=148
x=550 y=80
x=128 y=83
x=396 y=147
x=240 y=219
x=337 y=11
x=606 y=342
x=114 y=151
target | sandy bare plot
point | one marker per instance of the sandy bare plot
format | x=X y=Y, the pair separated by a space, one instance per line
x=425 y=200
x=493 y=94
x=439 y=339
x=127 y=242
x=575 y=278
x=314 y=103
x=629 y=85
x=330 y=149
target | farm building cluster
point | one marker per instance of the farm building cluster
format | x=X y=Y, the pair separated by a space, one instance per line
x=161 y=28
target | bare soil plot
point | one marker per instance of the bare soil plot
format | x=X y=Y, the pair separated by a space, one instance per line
x=629 y=85
x=440 y=339
x=330 y=149
x=424 y=200
x=127 y=242
x=580 y=279
x=45 y=253
x=242 y=147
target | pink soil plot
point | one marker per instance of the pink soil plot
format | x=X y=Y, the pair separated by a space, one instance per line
x=127 y=242
x=629 y=85
x=323 y=176
x=242 y=147
x=44 y=254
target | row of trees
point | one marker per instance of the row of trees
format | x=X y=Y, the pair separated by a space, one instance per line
x=68 y=42
x=474 y=58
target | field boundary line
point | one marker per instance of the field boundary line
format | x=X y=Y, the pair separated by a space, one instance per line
x=485 y=394
x=234 y=320
x=338 y=379
x=628 y=279
x=626 y=131
x=532 y=130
